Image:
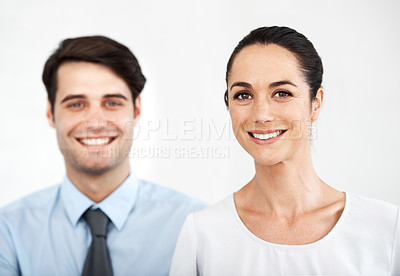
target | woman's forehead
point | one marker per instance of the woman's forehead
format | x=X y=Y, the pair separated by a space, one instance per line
x=266 y=61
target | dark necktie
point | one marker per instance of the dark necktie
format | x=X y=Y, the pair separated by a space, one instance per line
x=97 y=261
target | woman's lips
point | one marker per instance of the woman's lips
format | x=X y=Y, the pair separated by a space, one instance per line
x=266 y=137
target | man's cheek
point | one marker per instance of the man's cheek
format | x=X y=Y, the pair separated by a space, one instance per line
x=127 y=124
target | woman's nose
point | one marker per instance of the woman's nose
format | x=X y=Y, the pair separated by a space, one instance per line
x=262 y=112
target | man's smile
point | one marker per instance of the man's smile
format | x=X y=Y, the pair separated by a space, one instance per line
x=96 y=141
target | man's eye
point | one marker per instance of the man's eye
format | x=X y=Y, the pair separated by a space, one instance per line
x=283 y=94
x=75 y=105
x=243 y=96
x=112 y=104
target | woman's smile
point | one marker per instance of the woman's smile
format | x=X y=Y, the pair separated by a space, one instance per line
x=266 y=137
x=269 y=103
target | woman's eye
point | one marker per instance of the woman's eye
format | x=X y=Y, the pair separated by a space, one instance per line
x=283 y=94
x=243 y=96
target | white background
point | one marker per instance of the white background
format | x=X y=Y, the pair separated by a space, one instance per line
x=183 y=47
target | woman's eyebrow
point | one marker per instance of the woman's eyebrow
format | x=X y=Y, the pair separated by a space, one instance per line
x=242 y=84
x=272 y=85
x=279 y=83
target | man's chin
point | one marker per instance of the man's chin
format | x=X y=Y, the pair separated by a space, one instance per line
x=94 y=169
x=94 y=163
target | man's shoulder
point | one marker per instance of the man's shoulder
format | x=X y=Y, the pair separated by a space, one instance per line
x=32 y=202
x=162 y=195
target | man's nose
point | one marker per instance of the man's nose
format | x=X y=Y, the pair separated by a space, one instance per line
x=96 y=118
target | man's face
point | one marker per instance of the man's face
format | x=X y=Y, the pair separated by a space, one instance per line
x=94 y=117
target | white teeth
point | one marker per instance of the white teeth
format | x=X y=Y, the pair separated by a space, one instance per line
x=267 y=136
x=95 y=141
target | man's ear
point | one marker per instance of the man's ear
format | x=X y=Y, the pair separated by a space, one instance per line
x=49 y=114
x=317 y=104
x=137 y=110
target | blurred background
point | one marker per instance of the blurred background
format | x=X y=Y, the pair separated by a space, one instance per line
x=184 y=139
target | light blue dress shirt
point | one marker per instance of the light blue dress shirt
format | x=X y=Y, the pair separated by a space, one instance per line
x=44 y=233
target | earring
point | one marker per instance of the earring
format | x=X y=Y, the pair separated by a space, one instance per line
x=313 y=130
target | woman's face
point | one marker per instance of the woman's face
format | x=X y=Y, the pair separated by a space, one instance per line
x=269 y=104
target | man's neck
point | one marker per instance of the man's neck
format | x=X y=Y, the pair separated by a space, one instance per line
x=98 y=186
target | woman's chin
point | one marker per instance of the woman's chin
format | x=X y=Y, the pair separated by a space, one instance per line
x=266 y=161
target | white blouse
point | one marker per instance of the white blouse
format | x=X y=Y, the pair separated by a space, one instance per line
x=364 y=241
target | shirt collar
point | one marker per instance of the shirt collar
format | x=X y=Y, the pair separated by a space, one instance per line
x=116 y=206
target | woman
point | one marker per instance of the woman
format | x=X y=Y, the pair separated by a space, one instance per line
x=286 y=220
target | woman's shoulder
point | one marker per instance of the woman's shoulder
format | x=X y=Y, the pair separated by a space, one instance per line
x=221 y=213
x=372 y=207
x=376 y=216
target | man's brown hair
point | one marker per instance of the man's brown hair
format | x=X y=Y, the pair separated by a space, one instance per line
x=96 y=49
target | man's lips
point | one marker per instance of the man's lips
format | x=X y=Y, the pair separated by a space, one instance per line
x=96 y=141
x=266 y=134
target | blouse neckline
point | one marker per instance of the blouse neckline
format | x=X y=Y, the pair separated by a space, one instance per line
x=328 y=236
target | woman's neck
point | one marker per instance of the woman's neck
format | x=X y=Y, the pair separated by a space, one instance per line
x=287 y=189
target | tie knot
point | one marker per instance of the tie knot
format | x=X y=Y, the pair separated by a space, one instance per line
x=97 y=221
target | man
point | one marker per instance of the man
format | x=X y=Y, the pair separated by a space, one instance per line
x=101 y=220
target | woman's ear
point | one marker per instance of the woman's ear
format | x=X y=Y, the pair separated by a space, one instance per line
x=317 y=104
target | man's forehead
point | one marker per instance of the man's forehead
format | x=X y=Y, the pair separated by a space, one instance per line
x=90 y=80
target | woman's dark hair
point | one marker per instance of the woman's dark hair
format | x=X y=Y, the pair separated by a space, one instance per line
x=297 y=43
x=96 y=49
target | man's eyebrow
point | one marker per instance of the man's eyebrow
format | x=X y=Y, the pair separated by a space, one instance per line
x=71 y=97
x=242 y=84
x=279 y=83
x=116 y=96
